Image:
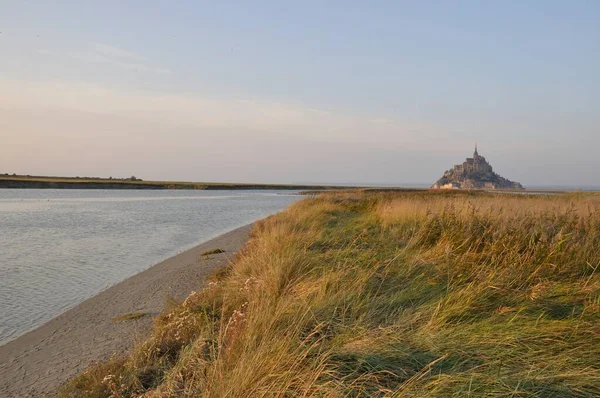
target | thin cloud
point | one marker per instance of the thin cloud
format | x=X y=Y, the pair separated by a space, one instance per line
x=115 y=56
x=255 y=117
x=93 y=57
x=100 y=53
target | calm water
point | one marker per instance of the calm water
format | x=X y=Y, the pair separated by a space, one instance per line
x=59 y=247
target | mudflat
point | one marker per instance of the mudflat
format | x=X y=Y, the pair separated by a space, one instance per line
x=108 y=324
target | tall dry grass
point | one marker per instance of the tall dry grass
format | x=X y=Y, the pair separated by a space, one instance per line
x=407 y=294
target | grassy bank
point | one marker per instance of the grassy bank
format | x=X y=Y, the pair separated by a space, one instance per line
x=416 y=294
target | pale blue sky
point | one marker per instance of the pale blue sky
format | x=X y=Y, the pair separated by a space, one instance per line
x=300 y=92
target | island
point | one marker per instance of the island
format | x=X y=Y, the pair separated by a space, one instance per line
x=474 y=173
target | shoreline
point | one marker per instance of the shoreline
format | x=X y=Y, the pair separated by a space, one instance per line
x=39 y=361
x=43 y=182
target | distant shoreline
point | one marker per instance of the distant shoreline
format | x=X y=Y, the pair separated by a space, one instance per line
x=40 y=182
x=47 y=182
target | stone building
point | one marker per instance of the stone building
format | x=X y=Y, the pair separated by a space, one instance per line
x=476 y=164
x=474 y=173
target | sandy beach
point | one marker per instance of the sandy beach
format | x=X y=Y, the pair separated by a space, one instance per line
x=38 y=362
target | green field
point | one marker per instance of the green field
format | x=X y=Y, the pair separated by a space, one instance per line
x=414 y=294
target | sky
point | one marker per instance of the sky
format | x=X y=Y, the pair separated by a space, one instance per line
x=378 y=92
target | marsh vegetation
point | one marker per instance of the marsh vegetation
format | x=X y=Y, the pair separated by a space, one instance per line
x=387 y=294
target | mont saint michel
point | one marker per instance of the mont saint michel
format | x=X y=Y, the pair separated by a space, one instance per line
x=474 y=173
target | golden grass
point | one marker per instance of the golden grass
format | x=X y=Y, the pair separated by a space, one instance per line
x=407 y=294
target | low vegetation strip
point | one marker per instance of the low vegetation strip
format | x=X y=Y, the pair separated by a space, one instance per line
x=411 y=294
x=130 y=316
x=39 y=182
x=213 y=251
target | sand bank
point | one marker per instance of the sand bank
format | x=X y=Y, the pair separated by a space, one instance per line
x=38 y=362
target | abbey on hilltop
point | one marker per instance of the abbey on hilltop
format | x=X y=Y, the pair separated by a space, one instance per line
x=474 y=173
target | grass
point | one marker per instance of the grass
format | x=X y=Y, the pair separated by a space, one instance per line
x=130 y=316
x=214 y=251
x=414 y=294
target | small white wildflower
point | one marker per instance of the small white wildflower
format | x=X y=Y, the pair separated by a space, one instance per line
x=249 y=283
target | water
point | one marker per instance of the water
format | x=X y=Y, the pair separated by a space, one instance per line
x=59 y=247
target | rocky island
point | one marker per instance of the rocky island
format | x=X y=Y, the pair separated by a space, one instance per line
x=474 y=173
